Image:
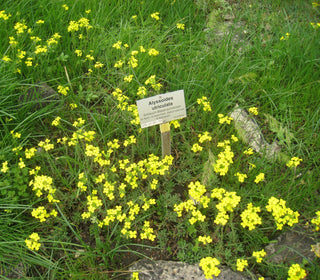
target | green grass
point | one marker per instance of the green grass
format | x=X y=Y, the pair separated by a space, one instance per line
x=250 y=66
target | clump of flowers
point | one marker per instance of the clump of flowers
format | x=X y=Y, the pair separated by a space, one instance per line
x=253 y=111
x=225 y=158
x=209 y=267
x=259 y=255
x=241 y=264
x=296 y=272
x=294 y=162
x=203 y=101
x=32 y=243
x=250 y=218
x=224 y=119
x=316 y=221
x=282 y=214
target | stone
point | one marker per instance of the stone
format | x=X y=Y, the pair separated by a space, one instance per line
x=39 y=95
x=171 y=270
x=291 y=247
x=250 y=132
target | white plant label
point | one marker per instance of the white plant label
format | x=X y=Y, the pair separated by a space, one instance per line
x=162 y=108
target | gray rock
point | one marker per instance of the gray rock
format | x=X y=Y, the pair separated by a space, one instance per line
x=170 y=270
x=40 y=95
x=291 y=247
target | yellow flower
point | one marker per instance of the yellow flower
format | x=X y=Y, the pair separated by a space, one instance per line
x=196 y=148
x=181 y=26
x=259 y=255
x=175 y=123
x=250 y=218
x=73 y=26
x=118 y=64
x=128 y=78
x=5 y=167
x=56 y=121
x=205 y=239
x=296 y=272
x=12 y=41
x=286 y=37
x=253 y=111
x=142 y=49
x=241 y=176
x=204 y=137
x=41 y=49
x=117 y=45
x=28 y=61
x=46 y=145
x=224 y=119
x=204 y=102
x=153 y=52
x=4 y=16
x=21 y=163
x=40 y=21
x=65 y=6
x=294 y=162
x=63 y=90
x=6 y=58
x=316 y=249
x=134 y=17
x=98 y=65
x=315 y=4
x=20 y=27
x=133 y=62
x=209 y=267
x=316 y=221
x=259 y=178
x=241 y=264
x=89 y=57
x=155 y=15
x=79 y=122
x=73 y=106
x=29 y=153
x=249 y=151
x=32 y=243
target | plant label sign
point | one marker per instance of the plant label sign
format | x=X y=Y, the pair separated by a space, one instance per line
x=162 y=108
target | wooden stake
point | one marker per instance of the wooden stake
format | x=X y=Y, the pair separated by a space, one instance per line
x=165 y=139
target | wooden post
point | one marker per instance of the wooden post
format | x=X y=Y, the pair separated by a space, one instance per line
x=165 y=139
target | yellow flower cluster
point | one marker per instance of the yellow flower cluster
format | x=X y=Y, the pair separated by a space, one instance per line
x=135 y=276
x=4 y=16
x=32 y=243
x=316 y=221
x=259 y=178
x=228 y=201
x=63 y=90
x=131 y=140
x=286 y=37
x=20 y=27
x=42 y=214
x=181 y=26
x=225 y=158
x=253 y=111
x=241 y=264
x=281 y=213
x=241 y=176
x=56 y=121
x=81 y=23
x=315 y=25
x=46 y=145
x=209 y=267
x=296 y=272
x=205 y=239
x=93 y=203
x=41 y=184
x=224 y=119
x=147 y=232
x=294 y=162
x=5 y=167
x=203 y=101
x=250 y=218
x=155 y=15
x=259 y=255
